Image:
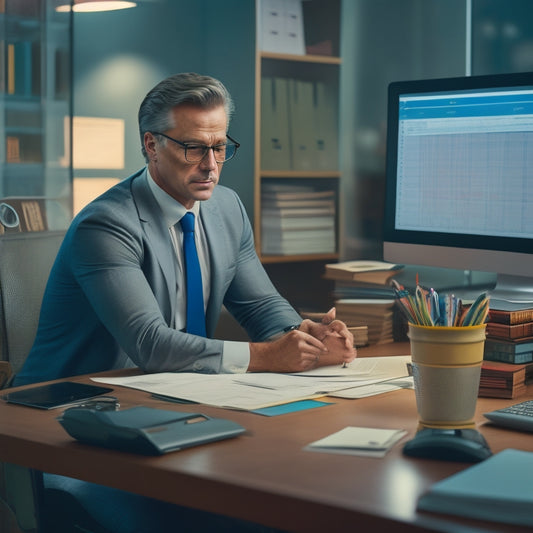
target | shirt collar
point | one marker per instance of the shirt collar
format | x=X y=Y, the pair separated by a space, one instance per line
x=173 y=211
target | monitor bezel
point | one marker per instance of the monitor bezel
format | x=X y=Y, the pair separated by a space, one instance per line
x=451 y=240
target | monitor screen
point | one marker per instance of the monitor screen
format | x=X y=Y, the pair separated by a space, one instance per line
x=459 y=191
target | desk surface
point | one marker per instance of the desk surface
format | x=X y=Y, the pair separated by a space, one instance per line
x=264 y=475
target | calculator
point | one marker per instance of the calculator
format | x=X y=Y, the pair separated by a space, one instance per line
x=518 y=416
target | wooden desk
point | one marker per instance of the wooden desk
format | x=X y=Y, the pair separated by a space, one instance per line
x=265 y=476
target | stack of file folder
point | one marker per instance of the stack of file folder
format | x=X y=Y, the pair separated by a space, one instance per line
x=299 y=125
x=297 y=219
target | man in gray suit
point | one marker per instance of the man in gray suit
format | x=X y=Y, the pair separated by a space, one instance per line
x=116 y=295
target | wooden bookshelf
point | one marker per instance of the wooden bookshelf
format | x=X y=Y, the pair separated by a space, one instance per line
x=320 y=24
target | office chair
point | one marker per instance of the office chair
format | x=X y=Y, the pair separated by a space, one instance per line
x=26 y=259
x=30 y=505
x=25 y=262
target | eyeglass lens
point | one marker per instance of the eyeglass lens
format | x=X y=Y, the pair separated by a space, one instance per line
x=222 y=152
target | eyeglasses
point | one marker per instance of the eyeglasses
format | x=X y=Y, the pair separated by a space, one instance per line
x=194 y=153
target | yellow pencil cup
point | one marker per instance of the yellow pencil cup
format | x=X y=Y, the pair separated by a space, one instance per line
x=446 y=371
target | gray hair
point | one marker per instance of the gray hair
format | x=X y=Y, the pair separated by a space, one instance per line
x=184 y=88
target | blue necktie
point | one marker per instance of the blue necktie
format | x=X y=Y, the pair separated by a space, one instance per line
x=193 y=275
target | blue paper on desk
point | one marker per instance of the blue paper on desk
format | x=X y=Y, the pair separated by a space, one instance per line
x=291 y=407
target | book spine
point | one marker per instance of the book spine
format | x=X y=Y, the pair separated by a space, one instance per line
x=507 y=331
x=508 y=346
x=511 y=317
x=491 y=355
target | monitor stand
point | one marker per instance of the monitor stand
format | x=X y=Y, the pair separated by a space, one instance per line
x=513 y=290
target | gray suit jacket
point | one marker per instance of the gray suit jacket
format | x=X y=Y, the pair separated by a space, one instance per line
x=110 y=297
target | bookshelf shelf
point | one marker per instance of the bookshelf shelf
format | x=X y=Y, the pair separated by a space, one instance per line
x=310 y=174
x=327 y=60
x=268 y=259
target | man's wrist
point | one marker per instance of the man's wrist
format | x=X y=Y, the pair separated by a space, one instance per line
x=284 y=331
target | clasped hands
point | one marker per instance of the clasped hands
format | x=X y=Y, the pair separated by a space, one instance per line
x=313 y=344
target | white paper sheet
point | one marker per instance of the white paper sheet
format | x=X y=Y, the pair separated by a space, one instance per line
x=256 y=390
x=374 y=442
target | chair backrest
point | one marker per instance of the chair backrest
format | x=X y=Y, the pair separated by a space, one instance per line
x=25 y=263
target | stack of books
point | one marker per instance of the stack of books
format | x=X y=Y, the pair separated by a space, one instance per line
x=363 y=297
x=377 y=315
x=372 y=273
x=504 y=380
x=509 y=335
x=297 y=219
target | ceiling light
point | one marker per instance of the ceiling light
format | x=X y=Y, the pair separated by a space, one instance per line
x=88 y=6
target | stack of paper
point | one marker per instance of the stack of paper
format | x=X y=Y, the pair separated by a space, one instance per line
x=297 y=219
x=253 y=391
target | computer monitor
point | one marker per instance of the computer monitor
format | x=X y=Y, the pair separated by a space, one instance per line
x=459 y=184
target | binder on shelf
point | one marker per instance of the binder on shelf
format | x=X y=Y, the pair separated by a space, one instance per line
x=280 y=27
x=10 y=68
x=23 y=68
x=325 y=128
x=303 y=142
x=293 y=37
x=275 y=147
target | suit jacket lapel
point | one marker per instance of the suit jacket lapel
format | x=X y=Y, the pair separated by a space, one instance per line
x=157 y=235
x=219 y=260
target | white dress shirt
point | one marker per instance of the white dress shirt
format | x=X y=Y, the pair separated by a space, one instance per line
x=235 y=355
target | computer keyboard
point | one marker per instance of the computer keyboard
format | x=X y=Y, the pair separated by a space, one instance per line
x=518 y=416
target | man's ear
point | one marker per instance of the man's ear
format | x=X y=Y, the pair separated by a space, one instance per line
x=150 y=144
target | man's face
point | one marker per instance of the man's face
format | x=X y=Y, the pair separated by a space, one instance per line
x=187 y=182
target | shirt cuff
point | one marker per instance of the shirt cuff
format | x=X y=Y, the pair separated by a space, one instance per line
x=235 y=357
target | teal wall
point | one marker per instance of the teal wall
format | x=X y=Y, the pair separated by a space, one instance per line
x=119 y=56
